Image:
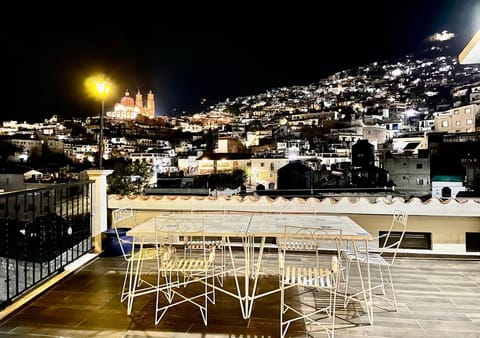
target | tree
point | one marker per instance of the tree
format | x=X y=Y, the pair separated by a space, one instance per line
x=129 y=178
x=231 y=181
x=233 y=109
x=46 y=158
x=239 y=177
x=8 y=149
x=254 y=125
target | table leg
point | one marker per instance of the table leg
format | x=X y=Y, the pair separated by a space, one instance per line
x=133 y=278
x=241 y=298
x=256 y=273
x=366 y=292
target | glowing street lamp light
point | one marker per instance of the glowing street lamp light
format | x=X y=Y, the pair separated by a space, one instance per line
x=103 y=87
x=99 y=86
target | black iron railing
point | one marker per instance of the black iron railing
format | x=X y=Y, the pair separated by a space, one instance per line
x=41 y=231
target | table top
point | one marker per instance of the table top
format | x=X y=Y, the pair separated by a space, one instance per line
x=267 y=225
x=274 y=225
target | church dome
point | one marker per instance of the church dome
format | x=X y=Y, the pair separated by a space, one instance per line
x=127 y=101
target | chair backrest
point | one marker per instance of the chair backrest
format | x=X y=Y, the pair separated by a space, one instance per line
x=393 y=238
x=298 y=239
x=123 y=218
x=177 y=231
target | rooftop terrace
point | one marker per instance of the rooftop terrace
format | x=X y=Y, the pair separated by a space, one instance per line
x=438 y=288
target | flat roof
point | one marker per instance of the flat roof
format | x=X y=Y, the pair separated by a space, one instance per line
x=447 y=178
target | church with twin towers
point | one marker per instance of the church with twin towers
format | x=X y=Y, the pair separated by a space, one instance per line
x=129 y=108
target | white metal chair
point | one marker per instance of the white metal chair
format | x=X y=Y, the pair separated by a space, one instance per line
x=193 y=244
x=125 y=217
x=177 y=273
x=381 y=253
x=309 y=274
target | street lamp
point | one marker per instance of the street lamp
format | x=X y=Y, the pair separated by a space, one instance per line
x=103 y=87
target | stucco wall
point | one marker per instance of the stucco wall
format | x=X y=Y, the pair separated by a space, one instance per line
x=447 y=221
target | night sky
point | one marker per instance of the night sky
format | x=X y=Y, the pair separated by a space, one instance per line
x=190 y=52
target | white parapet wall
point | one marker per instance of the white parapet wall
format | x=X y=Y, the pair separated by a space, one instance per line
x=344 y=205
x=447 y=221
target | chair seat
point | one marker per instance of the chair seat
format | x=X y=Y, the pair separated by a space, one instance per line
x=151 y=253
x=373 y=258
x=186 y=265
x=198 y=245
x=293 y=245
x=193 y=264
x=313 y=277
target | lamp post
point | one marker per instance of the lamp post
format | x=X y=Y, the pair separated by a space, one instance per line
x=103 y=87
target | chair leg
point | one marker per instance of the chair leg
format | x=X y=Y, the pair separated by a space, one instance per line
x=309 y=318
x=140 y=280
x=283 y=326
x=134 y=281
x=394 y=295
x=378 y=290
x=382 y=281
x=347 y=280
x=166 y=290
x=159 y=312
x=333 y=304
x=204 y=308
x=211 y=299
x=220 y=277
x=124 y=293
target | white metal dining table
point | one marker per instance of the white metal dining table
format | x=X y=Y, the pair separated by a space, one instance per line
x=252 y=231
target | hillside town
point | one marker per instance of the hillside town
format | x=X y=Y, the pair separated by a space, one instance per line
x=411 y=127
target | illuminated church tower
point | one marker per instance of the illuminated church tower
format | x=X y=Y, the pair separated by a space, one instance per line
x=129 y=109
x=139 y=99
x=150 y=108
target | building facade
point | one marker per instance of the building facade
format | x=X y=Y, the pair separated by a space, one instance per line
x=457 y=120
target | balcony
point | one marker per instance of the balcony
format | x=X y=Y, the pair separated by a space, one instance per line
x=41 y=231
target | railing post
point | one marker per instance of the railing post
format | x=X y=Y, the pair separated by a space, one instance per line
x=99 y=205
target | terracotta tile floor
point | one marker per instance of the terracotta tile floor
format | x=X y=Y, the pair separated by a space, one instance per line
x=437 y=298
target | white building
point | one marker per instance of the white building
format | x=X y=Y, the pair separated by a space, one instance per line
x=457 y=120
x=445 y=186
x=162 y=164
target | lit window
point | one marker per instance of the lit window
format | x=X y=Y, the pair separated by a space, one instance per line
x=455 y=111
x=419 y=181
x=469 y=121
x=457 y=123
x=468 y=110
x=444 y=124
